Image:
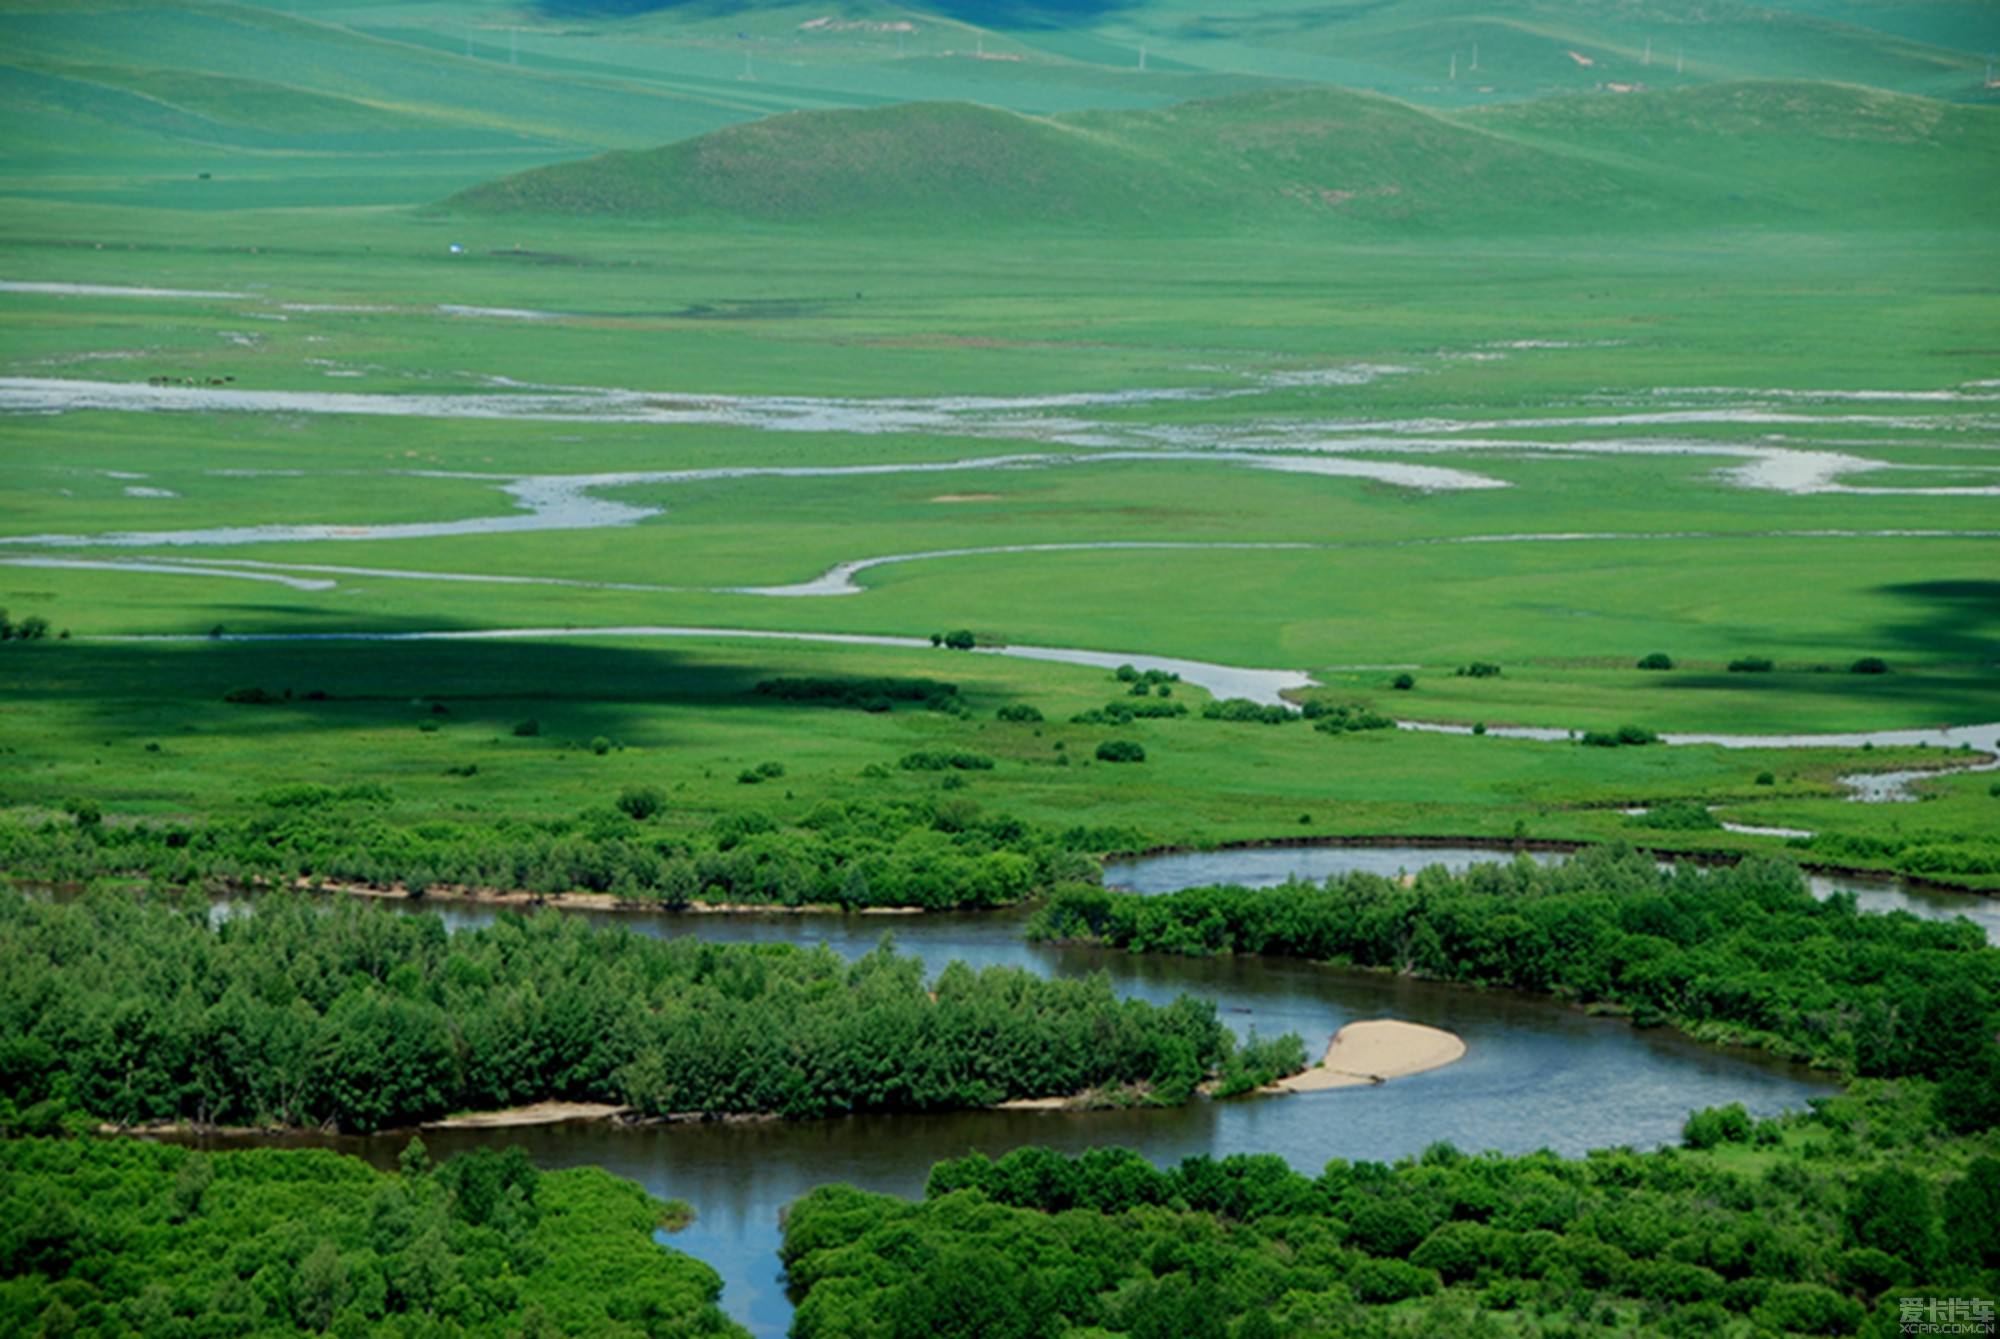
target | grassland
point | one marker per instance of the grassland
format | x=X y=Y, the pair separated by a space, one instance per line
x=1603 y=382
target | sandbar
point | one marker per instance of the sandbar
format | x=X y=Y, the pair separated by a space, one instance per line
x=1375 y=1050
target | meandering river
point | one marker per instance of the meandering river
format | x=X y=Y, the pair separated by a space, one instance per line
x=1535 y=1075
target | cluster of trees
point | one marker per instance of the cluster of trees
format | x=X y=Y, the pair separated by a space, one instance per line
x=1243 y=709
x=1152 y=678
x=305 y=1014
x=1478 y=669
x=1751 y=665
x=1677 y=816
x=1828 y=1236
x=117 y=1237
x=945 y=760
x=1124 y=713
x=1743 y=954
x=932 y=852
x=1331 y=718
x=33 y=628
x=1019 y=713
x=958 y=639
x=1940 y=853
x=1624 y=736
x=1121 y=750
x=1656 y=660
x=867 y=694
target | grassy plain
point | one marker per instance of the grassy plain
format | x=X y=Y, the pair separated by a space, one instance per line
x=1522 y=353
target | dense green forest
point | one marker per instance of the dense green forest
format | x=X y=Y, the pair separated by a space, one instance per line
x=1741 y=954
x=138 y=1010
x=931 y=853
x=1816 y=1223
x=117 y=1237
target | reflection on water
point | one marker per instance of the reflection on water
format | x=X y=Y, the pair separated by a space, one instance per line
x=1264 y=867
x=1535 y=1074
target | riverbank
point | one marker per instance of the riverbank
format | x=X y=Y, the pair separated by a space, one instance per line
x=1504 y=847
x=503 y=897
x=1374 y=1051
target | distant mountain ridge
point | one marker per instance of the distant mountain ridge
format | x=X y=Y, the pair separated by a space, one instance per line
x=1752 y=152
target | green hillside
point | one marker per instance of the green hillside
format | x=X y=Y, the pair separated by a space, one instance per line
x=307 y=102
x=920 y=161
x=1748 y=153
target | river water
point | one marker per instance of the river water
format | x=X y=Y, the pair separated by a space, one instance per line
x=1535 y=1074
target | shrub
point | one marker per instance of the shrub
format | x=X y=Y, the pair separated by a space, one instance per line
x=31 y=629
x=1019 y=713
x=958 y=639
x=1124 y=713
x=1351 y=716
x=1403 y=682
x=1678 y=816
x=641 y=802
x=600 y=746
x=945 y=760
x=1808 y=1308
x=1382 y=1281
x=1120 y=750
x=1623 y=736
x=1751 y=665
x=527 y=729
x=256 y=697
x=1766 y=779
x=1243 y=709
x=876 y=694
x=1717 y=1125
x=1479 y=727
x=762 y=772
x=1478 y=669
x=86 y=813
x=1869 y=665
x=1656 y=660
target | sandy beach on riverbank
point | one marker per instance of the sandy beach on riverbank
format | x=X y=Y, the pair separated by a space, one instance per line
x=536 y=1113
x=1375 y=1050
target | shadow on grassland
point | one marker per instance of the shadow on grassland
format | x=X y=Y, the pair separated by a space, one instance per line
x=574 y=690
x=1949 y=620
x=1942 y=655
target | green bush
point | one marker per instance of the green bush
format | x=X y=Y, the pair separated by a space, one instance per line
x=1120 y=750
x=1656 y=660
x=527 y=729
x=1717 y=1125
x=945 y=760
x=1807 y=1308
x=1478 y=669
x=641 y=802
x=1624 y=736
x=1677 y=816
x=1869 y=665
x=1403 y=682
x=1018 y=713
x=1380 y=1281
x=1751 y=665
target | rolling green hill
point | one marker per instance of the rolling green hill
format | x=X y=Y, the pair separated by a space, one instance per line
x=1746 y=153
x=304 y=102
